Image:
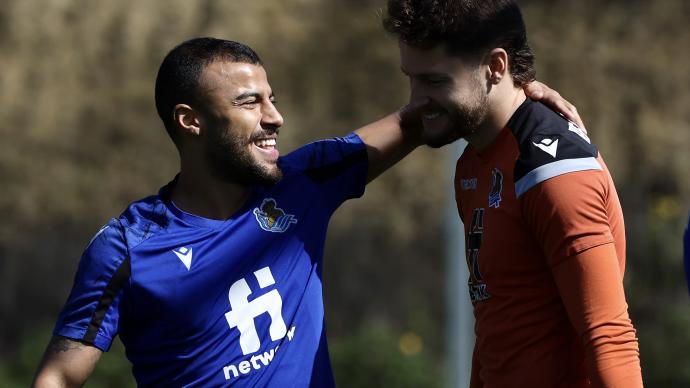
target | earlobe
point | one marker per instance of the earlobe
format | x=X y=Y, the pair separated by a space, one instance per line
x=187 y=119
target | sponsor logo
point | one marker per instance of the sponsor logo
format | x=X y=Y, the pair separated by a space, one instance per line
x=185 y=256
x=478 y=292
x=550 y=146
x=242 y=311
x=241 y=316
x=468 y=184
x=496 y=188
x=255 y=362
x=271 y=218
x=475 y=233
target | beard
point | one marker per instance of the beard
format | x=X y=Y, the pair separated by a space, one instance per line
x=464 y=117
x=231 y=160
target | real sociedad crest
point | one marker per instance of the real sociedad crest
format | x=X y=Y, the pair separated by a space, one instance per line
x=496 y=188
x=271 y=218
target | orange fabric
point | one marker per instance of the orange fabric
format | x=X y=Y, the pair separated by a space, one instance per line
x=545 y=278
x=592 y=292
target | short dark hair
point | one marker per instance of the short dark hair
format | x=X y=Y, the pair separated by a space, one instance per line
x=178 y=76
x=466 y=27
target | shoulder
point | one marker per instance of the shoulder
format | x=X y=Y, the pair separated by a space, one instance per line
x=144 y=218
x=549 y=146
x=138 y=222
x=324 y=158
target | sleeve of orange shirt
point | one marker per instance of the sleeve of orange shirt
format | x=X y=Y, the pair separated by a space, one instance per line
x=569 y=216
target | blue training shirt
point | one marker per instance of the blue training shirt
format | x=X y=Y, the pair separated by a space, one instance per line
x=202 y=302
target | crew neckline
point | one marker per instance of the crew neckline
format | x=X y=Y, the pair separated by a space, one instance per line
x=201 y=221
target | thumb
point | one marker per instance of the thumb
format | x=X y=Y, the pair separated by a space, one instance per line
x=411 y=114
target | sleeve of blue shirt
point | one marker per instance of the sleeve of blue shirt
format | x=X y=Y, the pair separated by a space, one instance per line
x=339 y=166
x=91 y=313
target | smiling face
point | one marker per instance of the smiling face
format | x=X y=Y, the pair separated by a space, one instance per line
x=456 y=90
x=239 y=123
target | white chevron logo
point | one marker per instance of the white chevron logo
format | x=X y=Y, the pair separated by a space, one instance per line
x=549 y=146
x=185 y=255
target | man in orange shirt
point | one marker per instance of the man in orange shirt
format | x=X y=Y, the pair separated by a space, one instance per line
x=543 y=224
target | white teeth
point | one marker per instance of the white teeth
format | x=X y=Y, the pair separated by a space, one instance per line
x=266 y=143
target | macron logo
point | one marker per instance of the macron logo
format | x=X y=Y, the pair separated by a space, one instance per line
x=185 y=255
x=550 y=146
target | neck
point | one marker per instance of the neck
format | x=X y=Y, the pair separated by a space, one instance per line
x=199 y=193
x=503 y=102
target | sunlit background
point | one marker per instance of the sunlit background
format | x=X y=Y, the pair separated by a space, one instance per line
x=81 y=139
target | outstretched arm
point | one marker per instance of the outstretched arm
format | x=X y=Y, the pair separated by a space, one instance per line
x=66 y=363
x=390 y=139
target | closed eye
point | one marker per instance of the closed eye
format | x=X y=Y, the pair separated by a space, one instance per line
x=434 y=81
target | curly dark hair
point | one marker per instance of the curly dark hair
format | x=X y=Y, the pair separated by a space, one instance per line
x=466 y=27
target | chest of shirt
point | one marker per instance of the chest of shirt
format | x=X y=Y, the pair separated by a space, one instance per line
x=185 y=275
x=497 y=240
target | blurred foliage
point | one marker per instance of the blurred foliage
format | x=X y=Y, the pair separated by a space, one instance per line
x=112 y=371
x=375 y=357
x=81 y=139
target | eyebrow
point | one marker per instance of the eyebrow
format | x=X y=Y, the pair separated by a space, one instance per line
x=426 y=75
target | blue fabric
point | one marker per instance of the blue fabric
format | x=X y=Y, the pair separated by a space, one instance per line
x=215 y=303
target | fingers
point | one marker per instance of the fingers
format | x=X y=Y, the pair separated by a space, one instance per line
x=414 y=108
x=410 y=119
x=536 y=90
x=570 y=112
x=540 y=92
x=411 y=114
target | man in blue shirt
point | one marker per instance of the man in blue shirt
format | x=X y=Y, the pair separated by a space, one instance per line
x=217 y=279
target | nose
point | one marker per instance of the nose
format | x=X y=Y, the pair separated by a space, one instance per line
x=270 y=116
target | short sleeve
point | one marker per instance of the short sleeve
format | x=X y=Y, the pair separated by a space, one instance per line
x=568 y=214
x=91 y=313
x=338 y=166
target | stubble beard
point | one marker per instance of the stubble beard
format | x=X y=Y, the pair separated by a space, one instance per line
x=231 y=160
x=464 y=118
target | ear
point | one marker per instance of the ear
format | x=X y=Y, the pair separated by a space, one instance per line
x=497 y=65
x=187 y=119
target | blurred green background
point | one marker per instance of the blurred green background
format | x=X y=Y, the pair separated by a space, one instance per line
x=81 y=139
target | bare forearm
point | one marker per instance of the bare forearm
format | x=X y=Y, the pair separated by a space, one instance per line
x=46 y=379
x=66 y=363
x=387 y=143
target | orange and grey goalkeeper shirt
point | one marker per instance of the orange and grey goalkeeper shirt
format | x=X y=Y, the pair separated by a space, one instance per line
x=546 y=254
